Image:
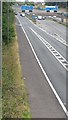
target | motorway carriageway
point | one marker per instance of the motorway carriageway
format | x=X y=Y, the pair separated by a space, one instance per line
x=51 y=55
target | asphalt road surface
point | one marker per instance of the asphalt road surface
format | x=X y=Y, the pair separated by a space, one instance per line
x=43 y=103
x=52 y=56
x=53 y=28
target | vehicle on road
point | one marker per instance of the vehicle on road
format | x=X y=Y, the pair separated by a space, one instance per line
x=28 y=13
x=40 y=17
x=49 y=16
x=22 y=14
x=34 y=16
x=54 y=16
x=65 y=14
x=43 y=17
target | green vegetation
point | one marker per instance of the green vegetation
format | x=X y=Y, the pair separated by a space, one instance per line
x=7 y=23
x=15 y=99
x=29 y=3
x=26 y=3
x=15 y=102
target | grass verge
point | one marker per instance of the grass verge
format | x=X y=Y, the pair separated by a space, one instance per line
x=15 y=102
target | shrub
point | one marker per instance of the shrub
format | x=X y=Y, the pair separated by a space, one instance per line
x=7 y=23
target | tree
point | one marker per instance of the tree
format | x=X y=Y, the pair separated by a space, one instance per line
x=7 y=23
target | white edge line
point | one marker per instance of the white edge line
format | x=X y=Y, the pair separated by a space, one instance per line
x=50 y=84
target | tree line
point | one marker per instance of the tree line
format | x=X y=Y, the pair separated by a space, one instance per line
x=7 y=23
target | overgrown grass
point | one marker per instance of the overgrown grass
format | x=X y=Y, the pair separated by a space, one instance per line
x=15 y=102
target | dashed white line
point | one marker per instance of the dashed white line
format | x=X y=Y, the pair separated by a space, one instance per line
x=56 y=54
x=58 y=38
x=49 y=82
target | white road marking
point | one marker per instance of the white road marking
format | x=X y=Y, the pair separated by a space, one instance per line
x=56 y=54
x=43 y=71
x=58 y=38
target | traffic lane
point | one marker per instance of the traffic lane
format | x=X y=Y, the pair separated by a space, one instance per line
x=60 y=47
x=54 y=27
x=43 y=103
x=53 y=68
x=56 y=44
x=25 y=25
x=61 y=30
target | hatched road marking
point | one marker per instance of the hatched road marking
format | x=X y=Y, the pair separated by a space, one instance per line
x=43 y=71
x=55 y=53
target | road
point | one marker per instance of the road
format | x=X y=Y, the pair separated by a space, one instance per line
x=52 y=60
x=43 y=103
x=53 y=28
x=53 y=68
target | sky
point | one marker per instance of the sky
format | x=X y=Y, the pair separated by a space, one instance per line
x=31 y=0
x=37 y=0
x=43 y=0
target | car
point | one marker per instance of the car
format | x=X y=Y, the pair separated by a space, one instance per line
x=40 y=17
x=54 y=16
x=43 y=17
x=46 y=16
x=22 y=14
x=34 y=16
x=28 y=13
x=49 y=16
x=65 y=14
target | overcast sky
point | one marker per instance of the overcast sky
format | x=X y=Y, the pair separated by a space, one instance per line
x=37 y=0
x=31 y=0
x=44 y=0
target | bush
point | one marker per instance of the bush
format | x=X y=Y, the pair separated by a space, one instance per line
x=7 y=23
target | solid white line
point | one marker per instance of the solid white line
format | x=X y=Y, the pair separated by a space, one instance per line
x=54 y=50
x=62 y=41
x=52 y=87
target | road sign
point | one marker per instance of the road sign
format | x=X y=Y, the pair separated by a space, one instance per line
x=53 y=8
x=26 y=7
